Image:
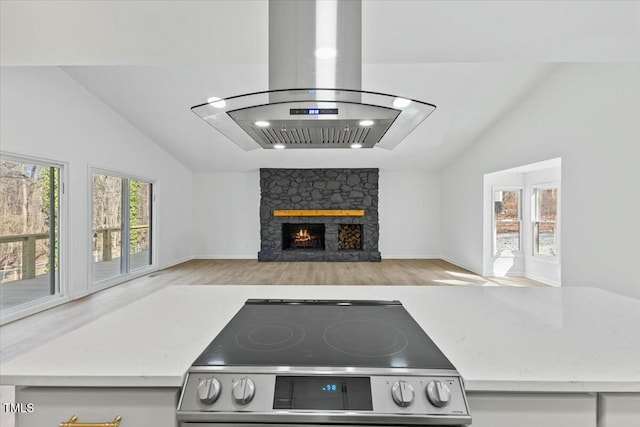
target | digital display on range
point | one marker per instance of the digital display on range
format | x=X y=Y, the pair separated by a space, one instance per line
x=329 y=393
x=312 y=111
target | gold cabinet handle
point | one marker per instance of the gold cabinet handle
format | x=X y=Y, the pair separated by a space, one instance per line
x=73 y=423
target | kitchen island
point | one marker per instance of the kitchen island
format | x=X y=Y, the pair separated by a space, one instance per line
x=529 y=356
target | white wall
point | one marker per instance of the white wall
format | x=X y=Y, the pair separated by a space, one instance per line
x=226 y=215
x=586 y=114
x=227 y=224
x=47 y=114
x=409 y=209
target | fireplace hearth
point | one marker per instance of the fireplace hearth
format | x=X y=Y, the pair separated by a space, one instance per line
x=302 y=236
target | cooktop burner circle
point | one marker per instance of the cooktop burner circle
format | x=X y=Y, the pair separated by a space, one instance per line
x=269 y=336
x=365 y=338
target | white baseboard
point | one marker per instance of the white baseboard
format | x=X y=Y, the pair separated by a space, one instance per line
x=460 y=264
x=244 y=256
x=384 y=256
x=409 y=256
x=131 y=276
x=173 y=263
x=82 y=294
x=509 y=274
x=218 y=256
x=543 y=280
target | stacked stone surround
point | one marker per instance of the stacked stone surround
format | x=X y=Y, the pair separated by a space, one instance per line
x=319 y=189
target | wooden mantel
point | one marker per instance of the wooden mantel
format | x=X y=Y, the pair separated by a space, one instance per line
x=318 y=212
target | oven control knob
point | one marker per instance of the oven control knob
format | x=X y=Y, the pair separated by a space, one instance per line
x=208 y=390
x=438 y=393
x=402 y=393
x=243 y=390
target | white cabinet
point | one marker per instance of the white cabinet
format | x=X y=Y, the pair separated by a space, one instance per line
x=493 y=409
x=156 y=407
x=619 y=410
x=151 y=407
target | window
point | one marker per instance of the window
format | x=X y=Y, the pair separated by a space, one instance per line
x=545 y=222
x=29 y=230
x=121 y=225
x=507 y=219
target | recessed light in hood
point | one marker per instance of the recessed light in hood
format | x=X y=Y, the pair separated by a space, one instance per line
x=315 y=99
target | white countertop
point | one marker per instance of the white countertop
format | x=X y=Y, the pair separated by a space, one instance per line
x=499 y=339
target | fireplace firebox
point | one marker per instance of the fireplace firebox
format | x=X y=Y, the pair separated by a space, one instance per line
x=302 y=236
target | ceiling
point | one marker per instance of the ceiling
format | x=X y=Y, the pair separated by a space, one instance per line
x=150 y=61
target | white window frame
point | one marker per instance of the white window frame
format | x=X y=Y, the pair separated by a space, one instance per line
x=61 y=294
x=534 y=221
x=494 y=230
x=126 y=273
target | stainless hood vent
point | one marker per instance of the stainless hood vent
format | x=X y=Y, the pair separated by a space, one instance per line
x=314 y=101
x=329 y=135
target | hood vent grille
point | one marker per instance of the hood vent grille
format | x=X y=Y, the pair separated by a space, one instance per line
x=330 y=133
x=325 y=135
x=292 y=136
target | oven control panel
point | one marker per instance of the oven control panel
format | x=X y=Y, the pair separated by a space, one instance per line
x=369 y=394
x=441 y=395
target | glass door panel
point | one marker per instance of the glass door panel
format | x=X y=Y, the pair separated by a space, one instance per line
x=29 y=231
x=107 y=227
x=139 y=224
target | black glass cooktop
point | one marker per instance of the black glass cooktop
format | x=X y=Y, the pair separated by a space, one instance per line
x=323 y=333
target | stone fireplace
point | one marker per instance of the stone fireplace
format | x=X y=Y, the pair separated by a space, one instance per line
x=319 y=215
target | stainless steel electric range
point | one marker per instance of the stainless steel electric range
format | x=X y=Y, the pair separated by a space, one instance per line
x=310 y=362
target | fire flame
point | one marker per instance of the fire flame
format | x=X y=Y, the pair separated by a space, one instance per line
x=302 y=234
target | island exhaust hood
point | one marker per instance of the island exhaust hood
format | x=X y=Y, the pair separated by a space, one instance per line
x=314 y=98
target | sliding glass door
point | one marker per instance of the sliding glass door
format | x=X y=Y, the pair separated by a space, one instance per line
x=29 y=231
x=121 y=225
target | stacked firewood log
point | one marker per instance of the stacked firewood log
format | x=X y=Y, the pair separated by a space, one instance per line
x=349 y=237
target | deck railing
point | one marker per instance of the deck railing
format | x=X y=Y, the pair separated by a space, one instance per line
x=106 y=234
x=28 y=246
x=28 y=243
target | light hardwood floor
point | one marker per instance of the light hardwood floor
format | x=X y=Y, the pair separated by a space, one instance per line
x=23 y=335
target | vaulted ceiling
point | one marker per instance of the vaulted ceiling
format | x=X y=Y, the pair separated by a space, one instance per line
x=150 y=61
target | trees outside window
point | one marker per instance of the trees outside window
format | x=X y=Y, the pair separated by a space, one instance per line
x=507 y=218
x=545 y=222
x=121 y=225
x=30 y=192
